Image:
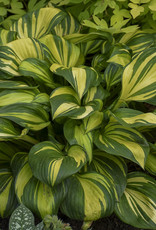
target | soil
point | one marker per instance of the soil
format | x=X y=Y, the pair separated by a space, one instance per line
x=108 y=223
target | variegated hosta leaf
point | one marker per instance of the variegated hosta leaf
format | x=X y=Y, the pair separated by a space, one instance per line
x=6 y=36
x=140 y=201
x=68 y=25
x=37 y=69
x=65 y=102
x=42 y=99
x=139 y=78
x=141 y=41
x=80 y=78
x=95 y=93
x=150 y=165
x=111 y=166
x=58 y=50
x=77 y=38
x=120 y=55
x=51 y=165
x=75 y=134
x=4 y=75
x=37 y=23
x=134 y=118
x=90 y=47
x=99 y=62
x=107 y=47
x=9 y=97
x=15 y=52
x=122 y=141
x=9 y=131
x=112 y=75
x=8 y=199
x=7 y=150
x=90 y=196
x=9 y=84
x=17 y=162
x=37 y=196
x=31 y=116
x=92 y=122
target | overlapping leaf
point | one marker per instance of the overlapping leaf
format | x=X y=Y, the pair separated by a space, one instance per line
x=31 y=116
x=141 y=41
x=7 y=150
x=37 y=196
x=80 y=78
x=139 y=78
x=65 y=102
x=8 y=97
x=10 y=84
x=9 y=131
x=150 y=165
x=94 y=93
x=94 y=121
x=77 y=38
x=91 y=47
x=60 y=51
x=99 y=62
x=140 y=201
x=8 y=199
x=122 y=141
x=75 y=134
x=33 y=24
x=90 y=196
x=68 y=25
x=39 y=70
x=111 y=166
x=120 y=55
x=113 y=75
x=15 y=52
x=135 y=118
x=6 y=36
x=51 y=165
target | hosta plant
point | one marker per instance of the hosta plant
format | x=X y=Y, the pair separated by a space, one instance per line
x=75 y=131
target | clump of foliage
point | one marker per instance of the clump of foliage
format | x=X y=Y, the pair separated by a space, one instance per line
x=22 y=218
x=113 y=14
x=75 y=130
x=11 y=10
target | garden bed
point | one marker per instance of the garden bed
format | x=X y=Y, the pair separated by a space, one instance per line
x=108 y=223
x=78 y=114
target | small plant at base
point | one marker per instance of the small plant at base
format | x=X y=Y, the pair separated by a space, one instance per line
x=22 y=218
x=53 y=223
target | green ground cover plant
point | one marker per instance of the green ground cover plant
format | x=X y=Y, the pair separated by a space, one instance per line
x=22 y=218
x=76 y=132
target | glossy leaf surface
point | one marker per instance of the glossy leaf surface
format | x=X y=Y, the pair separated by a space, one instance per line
x=139 y=199
x=123 y=141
